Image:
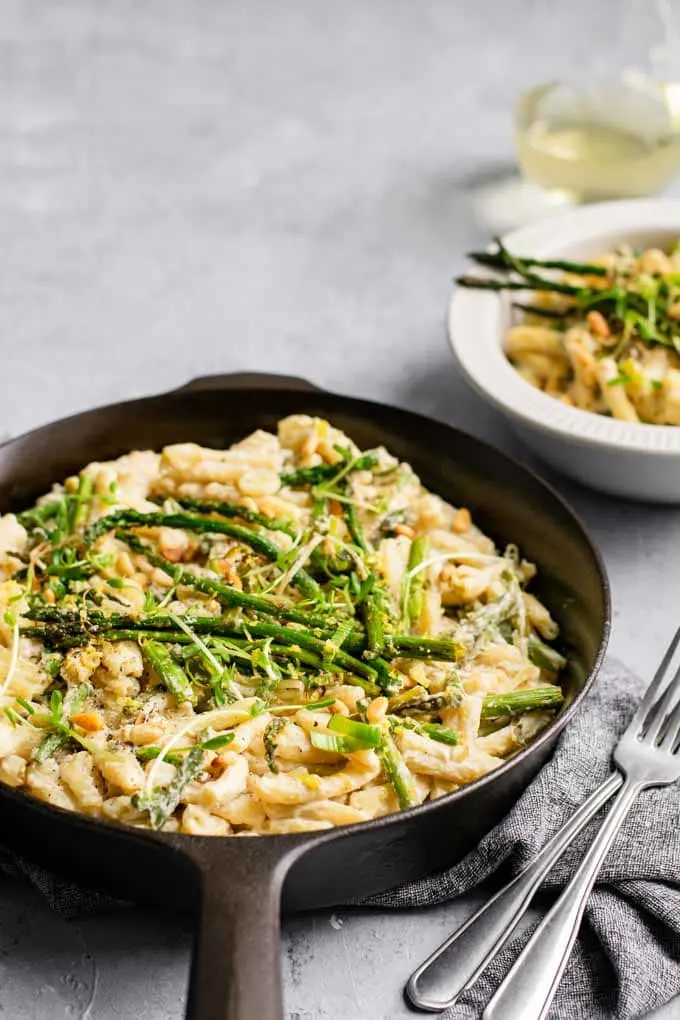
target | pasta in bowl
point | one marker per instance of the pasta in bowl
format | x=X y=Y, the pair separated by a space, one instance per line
x=602 y=336
x=284 y=636
x=601 y=406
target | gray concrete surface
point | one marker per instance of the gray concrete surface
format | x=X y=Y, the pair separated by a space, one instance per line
x=194 y=187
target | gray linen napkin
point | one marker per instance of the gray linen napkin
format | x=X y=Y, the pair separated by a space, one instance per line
x=627 y=959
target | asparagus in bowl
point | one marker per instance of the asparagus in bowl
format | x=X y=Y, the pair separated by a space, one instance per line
x=603 y=367
x=602 y=336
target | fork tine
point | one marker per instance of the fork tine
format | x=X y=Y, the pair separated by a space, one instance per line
x=661 y=708
x=650 y=694
x=672 y=729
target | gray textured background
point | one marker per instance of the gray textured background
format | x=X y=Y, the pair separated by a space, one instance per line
x=194 y=187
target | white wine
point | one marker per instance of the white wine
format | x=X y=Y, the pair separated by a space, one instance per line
x=613 y=141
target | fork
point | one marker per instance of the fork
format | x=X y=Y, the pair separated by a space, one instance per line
x=647 y=756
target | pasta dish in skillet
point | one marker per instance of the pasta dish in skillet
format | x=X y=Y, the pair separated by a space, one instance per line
x=287 y=635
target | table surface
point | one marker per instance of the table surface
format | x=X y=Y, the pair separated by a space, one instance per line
x=196 y=187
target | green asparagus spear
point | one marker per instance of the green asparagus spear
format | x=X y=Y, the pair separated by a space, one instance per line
x=325 y=472
x=207 y=506
x=536 y=283
x=427 y=704
x=413 y=587
x=544 y=656
x=117 y=626
x=366 y=676
x=79 y=502
x=375 y=614
x=499 y=260
x=192 y=522
x=517 y=702
x=435 y=731
x=269 y=605
x=410 y=646
x=172 y=675
x=397 y=771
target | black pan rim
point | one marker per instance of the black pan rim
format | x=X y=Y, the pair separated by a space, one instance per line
x=176 y=840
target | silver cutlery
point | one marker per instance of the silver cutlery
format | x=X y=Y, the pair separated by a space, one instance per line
x=646 y=755
x=459 y=961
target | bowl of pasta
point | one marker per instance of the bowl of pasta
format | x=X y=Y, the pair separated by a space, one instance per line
x=263 y=645
x=571 y=328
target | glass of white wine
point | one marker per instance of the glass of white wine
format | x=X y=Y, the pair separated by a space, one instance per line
x=611 y=135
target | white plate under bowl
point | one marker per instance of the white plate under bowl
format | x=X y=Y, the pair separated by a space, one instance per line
x=619 y=457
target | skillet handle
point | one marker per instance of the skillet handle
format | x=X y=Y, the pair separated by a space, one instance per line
x=247 y=381
x=236 y=967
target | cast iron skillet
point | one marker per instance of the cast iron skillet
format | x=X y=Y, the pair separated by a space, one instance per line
x=238 y=882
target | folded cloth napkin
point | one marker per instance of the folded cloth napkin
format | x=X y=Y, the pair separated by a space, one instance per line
x=627 y=958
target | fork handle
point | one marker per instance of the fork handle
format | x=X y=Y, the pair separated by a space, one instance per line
x=459 y=961
x=529 y=987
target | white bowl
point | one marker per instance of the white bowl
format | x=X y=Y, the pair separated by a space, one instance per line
x=623 y=458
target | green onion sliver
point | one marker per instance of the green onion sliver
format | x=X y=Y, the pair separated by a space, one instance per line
x=370 y=736
x=337 y=743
